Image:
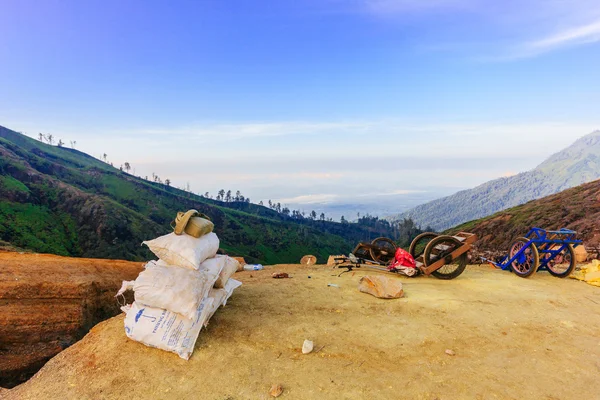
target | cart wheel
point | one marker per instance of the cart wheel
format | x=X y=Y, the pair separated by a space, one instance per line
x=563 y=263
x=383 y=251
x=528 y=261
x=440 y=247
x=417 y=246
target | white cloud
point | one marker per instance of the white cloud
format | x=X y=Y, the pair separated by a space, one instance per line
x=561 y=38
x=310 y=199
x=398 y=127
x=261 y=145
x=399 y=192
x=498 y=30
x=328 y=198
x=588 y=33
x=249 y=130
x=397 y=6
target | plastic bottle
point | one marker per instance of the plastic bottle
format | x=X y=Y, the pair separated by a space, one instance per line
x=253 y=267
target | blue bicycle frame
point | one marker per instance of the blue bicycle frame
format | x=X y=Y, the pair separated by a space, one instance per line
x=548 y=243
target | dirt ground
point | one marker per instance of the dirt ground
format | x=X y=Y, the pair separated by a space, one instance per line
x=513 y=338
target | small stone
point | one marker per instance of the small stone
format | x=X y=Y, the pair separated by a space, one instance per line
x=307 y=346
x=276 y=390
x=280 y=275
x=450 y=352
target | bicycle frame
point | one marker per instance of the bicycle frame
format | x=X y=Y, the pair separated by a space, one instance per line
x=548 y=243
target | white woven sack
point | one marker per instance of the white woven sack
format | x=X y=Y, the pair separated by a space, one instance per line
x=184 y=250
x=231 y=285
x=230 y=267
x=220 y=296
x=213 y=267
x=176 y=289
x=165 y=329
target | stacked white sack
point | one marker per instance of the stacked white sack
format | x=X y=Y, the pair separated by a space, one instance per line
x=164 y=329
x=224 y=285
x=174 y=296
x=230 y=267
x=184 y=250
x=220 y=296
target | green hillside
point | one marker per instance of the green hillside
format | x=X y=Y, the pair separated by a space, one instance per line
x=577 y=164
x=62 y=201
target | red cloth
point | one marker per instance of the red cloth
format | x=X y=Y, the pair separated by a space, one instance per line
x=404 y=259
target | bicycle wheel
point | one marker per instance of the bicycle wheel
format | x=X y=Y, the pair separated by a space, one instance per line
x=417 y=246
x=528 y=261
x=441 y=247
x=383 y=251
x=563 y=263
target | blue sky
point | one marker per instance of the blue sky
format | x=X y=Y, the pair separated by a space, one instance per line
x=306 y=101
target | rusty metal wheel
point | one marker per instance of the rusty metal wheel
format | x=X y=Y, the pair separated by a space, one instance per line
x=383 y=250
x=417 y=246
x=441 y=247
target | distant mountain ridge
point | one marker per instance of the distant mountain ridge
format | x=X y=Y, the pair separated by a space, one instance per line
x=62 y=201
x=576 y=208
x=575 y=165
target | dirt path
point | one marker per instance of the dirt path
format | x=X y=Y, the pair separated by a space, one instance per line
x=514 y=338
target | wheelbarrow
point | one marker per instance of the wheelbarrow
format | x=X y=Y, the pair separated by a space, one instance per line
x=442 y=256
x=380 y=250
x=540 y=250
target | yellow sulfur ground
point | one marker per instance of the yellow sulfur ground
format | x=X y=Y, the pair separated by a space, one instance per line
x=589 y=273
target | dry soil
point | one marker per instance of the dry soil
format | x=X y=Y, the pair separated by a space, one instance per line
x=512 y=338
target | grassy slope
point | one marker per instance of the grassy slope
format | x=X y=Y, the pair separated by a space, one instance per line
x=63 y=201
x=577 y=208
